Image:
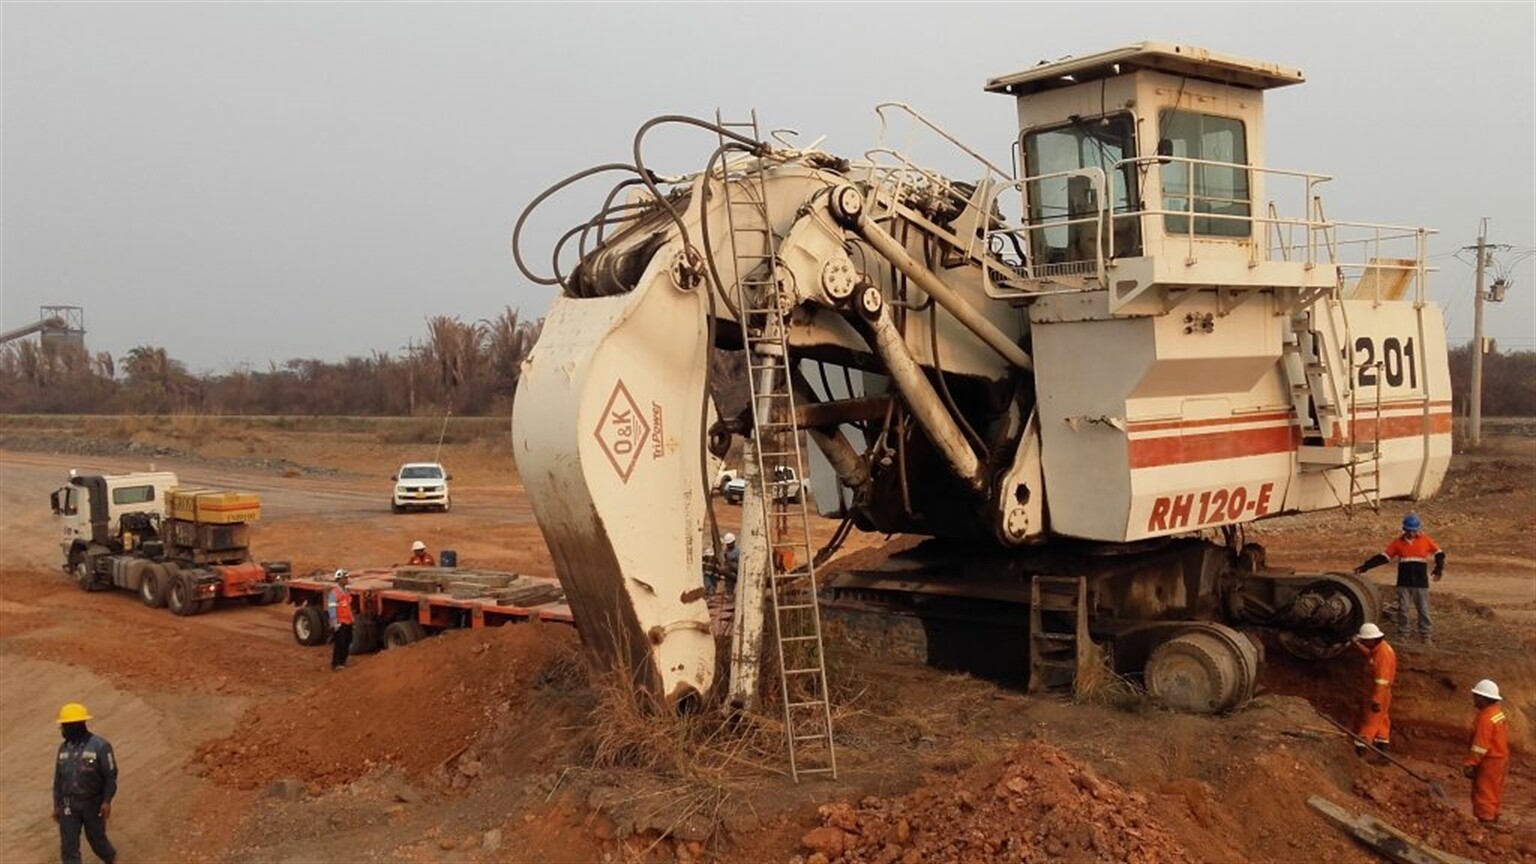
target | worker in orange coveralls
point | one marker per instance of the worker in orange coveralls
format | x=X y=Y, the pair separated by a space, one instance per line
x=1380 y=673
x=420 y=557
x=1489 y=760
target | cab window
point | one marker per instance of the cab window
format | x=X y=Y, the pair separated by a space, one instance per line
x=1220 y=190
x=1055 y=202
x=133 y=495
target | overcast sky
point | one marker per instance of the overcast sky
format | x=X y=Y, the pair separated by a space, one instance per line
x=240 y=183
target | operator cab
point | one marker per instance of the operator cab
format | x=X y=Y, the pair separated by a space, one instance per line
x=1145 y=161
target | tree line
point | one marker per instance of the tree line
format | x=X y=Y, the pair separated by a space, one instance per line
x=468 y=369
x=1509 y=382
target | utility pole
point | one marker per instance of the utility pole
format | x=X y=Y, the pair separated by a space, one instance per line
x=1477 y=338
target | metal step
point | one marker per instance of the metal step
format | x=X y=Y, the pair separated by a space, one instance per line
x=1055 y=637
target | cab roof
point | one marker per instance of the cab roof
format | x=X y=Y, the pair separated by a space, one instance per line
x=1172 y=58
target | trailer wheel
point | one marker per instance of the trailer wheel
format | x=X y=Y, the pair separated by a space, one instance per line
x=402 y=633
x=310 y=627
x=365 y=636
x=152 y=586
x=182 y=598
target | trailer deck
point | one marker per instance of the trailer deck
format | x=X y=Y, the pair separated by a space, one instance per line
x=424 y=600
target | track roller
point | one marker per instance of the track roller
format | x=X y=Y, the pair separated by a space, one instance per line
x=1206 y=669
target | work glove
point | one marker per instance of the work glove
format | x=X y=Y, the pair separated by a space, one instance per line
x=1439 y=574
x=1375 y=707
x=106 y=810
x=1467 y=771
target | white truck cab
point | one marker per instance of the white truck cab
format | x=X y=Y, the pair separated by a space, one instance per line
x=421 y=485
x=92 y=505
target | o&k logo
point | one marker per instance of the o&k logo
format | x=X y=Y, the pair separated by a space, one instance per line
x=622 y=431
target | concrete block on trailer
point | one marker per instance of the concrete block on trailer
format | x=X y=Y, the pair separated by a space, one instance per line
x=466 y=590
x=421 y=584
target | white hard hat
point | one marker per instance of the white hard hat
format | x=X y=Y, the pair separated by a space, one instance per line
x=418 y=546
x=728 y=538
x=1488 y=690
x=341 y=574
x=1370 y=631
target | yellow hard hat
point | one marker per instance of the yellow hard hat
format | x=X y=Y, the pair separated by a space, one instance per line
x=74 y=712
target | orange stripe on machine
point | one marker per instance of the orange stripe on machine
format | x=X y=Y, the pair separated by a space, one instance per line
x=1212 y=446
x=1233 y=443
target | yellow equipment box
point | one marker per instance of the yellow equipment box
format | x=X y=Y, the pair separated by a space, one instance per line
x=212 y=506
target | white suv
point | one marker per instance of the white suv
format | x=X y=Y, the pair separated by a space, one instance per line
x=420 y=484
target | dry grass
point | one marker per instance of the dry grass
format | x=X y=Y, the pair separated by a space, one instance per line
x=680 y=764
x=1097 y=684
x=627 y=730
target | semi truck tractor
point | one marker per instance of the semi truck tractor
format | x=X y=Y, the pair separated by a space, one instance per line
x=180 y=547
x=1080 y=371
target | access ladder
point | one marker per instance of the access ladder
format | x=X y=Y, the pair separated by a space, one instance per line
x=1059 y=644
x=762 y=314
x=1327 y=409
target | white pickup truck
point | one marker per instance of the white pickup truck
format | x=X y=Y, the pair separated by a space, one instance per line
x=422 y=485
x=785 y=486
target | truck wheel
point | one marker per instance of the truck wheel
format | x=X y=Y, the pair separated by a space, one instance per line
x=402 y=633
x=310 y=627
x=395 y=508
x=446 y=504
x=182 y=597
x=204 y=606
x=365 y=636
x=83 y=574
x=152 y=587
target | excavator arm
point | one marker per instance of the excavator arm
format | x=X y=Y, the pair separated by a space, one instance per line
x=614 y=411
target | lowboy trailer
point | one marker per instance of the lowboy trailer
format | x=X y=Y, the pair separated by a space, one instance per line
x=395 y=607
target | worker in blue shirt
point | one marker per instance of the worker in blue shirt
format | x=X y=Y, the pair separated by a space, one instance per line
x=84 y=783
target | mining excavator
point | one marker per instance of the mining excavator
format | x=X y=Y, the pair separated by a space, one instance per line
x=1079 y=378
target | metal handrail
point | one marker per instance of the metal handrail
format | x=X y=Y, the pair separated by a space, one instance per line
x=1273 y=235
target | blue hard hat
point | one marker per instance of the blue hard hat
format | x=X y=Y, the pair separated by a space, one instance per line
x=1411 y=522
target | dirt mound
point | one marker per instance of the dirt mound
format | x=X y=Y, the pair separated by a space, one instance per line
x=1407 y=804
x=1037 y=804
x=415 y=708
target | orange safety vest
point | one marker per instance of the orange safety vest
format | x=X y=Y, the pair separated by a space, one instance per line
x=341 y=601
x=422 y=559
x=1414 y=557
x=1490 y=756
x=1380 y=673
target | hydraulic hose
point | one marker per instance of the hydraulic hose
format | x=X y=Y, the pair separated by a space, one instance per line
x=517 y=229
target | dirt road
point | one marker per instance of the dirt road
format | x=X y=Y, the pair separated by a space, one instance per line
x=159 y=684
